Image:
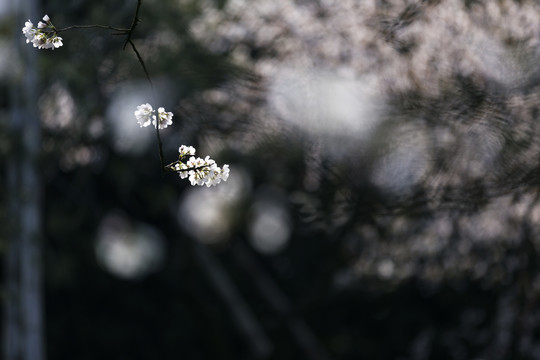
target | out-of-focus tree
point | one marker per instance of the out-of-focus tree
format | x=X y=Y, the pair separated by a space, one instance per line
x=382 y=200
x=420 y=158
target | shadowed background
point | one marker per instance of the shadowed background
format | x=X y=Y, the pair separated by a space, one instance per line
x=382 y=203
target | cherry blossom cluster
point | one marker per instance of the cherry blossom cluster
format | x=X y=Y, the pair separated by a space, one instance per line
x=199 y=171
x=145 y=115
x=44 y=36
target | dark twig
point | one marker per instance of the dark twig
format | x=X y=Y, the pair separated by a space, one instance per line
x=170 y=167
x=142 y=62
x=139 y=57
x=121 y=31
x=128 y=32
x=133 y=24
x=160 y=147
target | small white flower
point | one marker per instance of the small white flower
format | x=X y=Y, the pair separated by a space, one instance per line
x=183 y=174
x=186 y=150
x=181 y=169
x=225 y=172
x=46 y=18
x=48 y=44
x=39 y=40
x=218 y=175
x=165 y=118
x=29 y=31
x=196 y=178
x=208 y=161
x=57 y=42
x=143 y=114
x=28 y=26
x=194 y=162
x=41 y=25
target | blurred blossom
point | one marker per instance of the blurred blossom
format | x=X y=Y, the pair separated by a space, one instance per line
x=128 y=138
x=493 y=223
x=206 y=213
x=96 y=127
x=126 y=249
x=406 y=162
x=479 y=149
x=429 y=249
x=80 y=156
x=385 y=268
x=364 y=37
x=57 y=107
x=438 y=98
x=270 y=225
x=326 y=104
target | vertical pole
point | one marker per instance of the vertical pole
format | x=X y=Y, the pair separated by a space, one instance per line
x=23 y=313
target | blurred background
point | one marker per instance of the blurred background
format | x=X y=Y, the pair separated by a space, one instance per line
x=383 y=201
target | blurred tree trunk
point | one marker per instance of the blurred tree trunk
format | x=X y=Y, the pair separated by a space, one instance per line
x=23 y=324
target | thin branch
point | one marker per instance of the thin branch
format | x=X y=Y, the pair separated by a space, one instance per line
x=142 y=63
x=121 y=31
x=128 y=32
x=133 y=24
x=160 y=147
x=170 y=167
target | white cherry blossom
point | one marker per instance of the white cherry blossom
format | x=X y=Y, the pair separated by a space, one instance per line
x=165 y=118
x=199 y=171
x=186 y=150
x=29 y=31
x=57 y=41
x=143 y=114
x=44 y=36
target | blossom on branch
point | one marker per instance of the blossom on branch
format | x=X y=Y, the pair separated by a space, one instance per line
x=186 y=150
x=199 y=171
x=145 y=115
x=29 y=31
x=44 y=36
x=165 y=118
